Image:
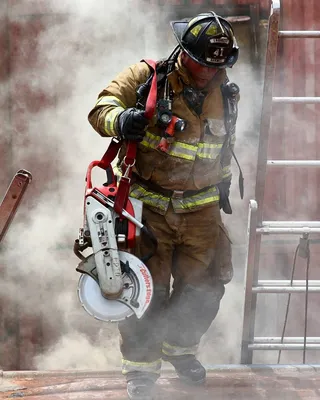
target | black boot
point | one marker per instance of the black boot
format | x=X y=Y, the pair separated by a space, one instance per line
x=188 y=368
x=140 y=389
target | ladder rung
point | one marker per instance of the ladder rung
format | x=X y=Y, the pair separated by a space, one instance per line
x=282 y=230
x=291 y=100
x=287 y=339
x=286 y=283
x=297 y=227
x=299 y=34
x=283 y=346
x=294 y=163
x=284 y=289
x=293 y=224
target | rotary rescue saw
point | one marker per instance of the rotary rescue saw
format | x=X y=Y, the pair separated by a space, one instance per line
x=115 y=283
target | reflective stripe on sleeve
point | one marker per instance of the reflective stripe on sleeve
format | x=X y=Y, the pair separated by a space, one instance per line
x=117 y=107
x=110 y=120
x=131 y=366
x=170 y=350
x=110 y=101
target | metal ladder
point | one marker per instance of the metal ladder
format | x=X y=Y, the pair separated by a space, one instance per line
x=257 y=227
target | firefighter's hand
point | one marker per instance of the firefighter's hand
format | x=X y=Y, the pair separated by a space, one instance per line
x=132 y=124
x=224 y=192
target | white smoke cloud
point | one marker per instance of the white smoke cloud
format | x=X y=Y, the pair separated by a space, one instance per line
x=67 y=57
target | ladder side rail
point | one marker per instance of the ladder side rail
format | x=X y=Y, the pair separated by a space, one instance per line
x=266 y=110
x=255 y=207
x=251 y=279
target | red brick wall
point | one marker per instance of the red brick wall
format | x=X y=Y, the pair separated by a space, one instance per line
x=292 y=192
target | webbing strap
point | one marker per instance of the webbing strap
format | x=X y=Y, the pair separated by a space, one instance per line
x=152 y=97
x=129 y=160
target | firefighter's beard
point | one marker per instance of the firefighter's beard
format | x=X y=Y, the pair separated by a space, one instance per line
x=200 y=75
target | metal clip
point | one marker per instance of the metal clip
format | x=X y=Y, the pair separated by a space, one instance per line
x=128 y=167
x=126 y=174
x=81 y=237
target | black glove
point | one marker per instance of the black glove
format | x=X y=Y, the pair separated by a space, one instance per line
x=132 y=124
x=224 y=191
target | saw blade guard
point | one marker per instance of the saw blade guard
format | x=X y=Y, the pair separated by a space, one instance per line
x=135 y=298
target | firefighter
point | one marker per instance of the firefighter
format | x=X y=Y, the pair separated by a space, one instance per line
x=183 y=181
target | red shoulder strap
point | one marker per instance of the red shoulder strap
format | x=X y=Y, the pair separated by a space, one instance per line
x=129 y=160
x=152 y=97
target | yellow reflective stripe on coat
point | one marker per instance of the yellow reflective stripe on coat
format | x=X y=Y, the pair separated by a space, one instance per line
x=226 y=171
x=150 y=198
x=170 y=350
x=208 y=196
x=186 y=151
x=160 y=202
x=130 y=366
x=110 y=101
x=110 y=120
x=209 y=150
x=176 y=149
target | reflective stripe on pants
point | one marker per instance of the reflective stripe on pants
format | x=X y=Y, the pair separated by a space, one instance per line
x=148 y=367
x=174 y=351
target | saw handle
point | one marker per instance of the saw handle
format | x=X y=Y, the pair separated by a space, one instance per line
x=109 y=171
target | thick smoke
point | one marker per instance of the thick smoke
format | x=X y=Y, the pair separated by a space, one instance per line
x=78 y=48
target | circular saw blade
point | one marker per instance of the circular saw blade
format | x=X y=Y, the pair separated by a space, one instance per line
x=135 y=298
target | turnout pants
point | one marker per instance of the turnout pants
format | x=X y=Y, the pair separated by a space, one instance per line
x=194 y=254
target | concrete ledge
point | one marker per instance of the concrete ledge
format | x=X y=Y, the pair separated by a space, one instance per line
x=224 y=382
x=210 y=368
